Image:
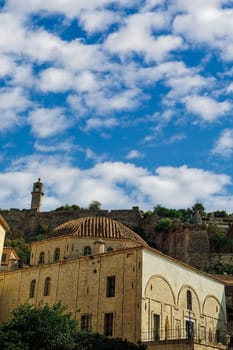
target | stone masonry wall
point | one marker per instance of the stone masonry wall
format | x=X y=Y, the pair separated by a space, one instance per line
x=188 y=243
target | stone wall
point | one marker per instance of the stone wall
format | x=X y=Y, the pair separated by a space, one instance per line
x=81 y=285
x=188 y=243
x=29 y=221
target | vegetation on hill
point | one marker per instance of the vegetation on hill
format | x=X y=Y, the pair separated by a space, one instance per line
x=93 y=206
x=47 y=327
x=15 y=239
x=160 y=220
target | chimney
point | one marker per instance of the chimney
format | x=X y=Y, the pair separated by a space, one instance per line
x=99 y=247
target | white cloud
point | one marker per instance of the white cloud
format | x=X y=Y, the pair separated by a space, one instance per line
x=90 y=154
x=134 y=154
x=70 y=8
x=224 y=145
x=100 y=123
x=114 y=184
x=216 y=21
x=206 y=107
x=136 y=36
x=54 y=147
x=98 y=20
x=56 y=80
x=48 y=122
x=12 y=103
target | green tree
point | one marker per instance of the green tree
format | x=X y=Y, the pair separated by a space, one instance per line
x=95 y=341
x=16 y=241
x=220 y=214
x=199 y=207
x=68 y=207
x=38 y=328
x=94 y=206
x=219 y=242
x=177 y=214
x=163 y=225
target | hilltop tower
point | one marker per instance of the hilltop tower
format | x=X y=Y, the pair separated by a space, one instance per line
x=37 y=195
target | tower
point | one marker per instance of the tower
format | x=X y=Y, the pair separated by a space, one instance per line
x=37 y=194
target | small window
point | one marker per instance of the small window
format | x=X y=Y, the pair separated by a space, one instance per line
x=110 y=290
x=32 y=289
x=57 y=254
x=87 y=250
x=41 y=258
x=85 y=323
x=110 y=249
x=3 y=257
x=47 y=284
x=108 y=324
x=189 y=300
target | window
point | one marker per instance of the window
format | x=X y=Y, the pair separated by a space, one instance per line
x=156 y=329
x=189 y=300
x=108 y=324
x=47 y=284
x=110 y=291
x=41 y=258
x=32 y=289
x=110 y=249
x=57 y=254
x=85 y=323
x=3 y=257
x=189 y=329
x=87 y=250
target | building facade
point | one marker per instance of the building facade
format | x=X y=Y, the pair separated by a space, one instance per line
x=112 y=282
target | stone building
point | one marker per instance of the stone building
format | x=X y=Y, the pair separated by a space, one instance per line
x=115 y=284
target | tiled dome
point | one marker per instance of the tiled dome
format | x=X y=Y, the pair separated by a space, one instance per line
x=99 y=227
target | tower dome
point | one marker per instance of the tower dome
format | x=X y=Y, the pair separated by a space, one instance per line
x=97 y=227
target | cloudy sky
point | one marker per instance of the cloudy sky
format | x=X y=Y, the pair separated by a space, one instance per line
x=128 y=102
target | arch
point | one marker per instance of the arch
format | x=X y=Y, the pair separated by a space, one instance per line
x=41 y=258
x=182 y=299
x=87 y=250
x=157 y=286
x=208 y=304
x=110 y=249
x=47 y=285
x=32 y=289
x=56 y=256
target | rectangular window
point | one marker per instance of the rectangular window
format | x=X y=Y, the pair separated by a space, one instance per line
x=3 y=257
x=156 y=329
x=189 y=329
x=108 y=324
x=85 y=323
x=110 y=290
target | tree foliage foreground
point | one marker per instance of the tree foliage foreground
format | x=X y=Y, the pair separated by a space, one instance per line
x=40 y=327
x=47 y=327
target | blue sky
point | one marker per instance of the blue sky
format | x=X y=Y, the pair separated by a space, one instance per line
x=127 y=102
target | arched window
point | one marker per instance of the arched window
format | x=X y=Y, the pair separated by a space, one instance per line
x=32 y=289
x=110 y=249
x=189 y=300
x=56 y=254
x=87 y=250
x=47 y=284
x=41 y=258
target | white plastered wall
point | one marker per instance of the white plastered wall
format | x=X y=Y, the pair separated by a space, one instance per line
x=165 y=282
